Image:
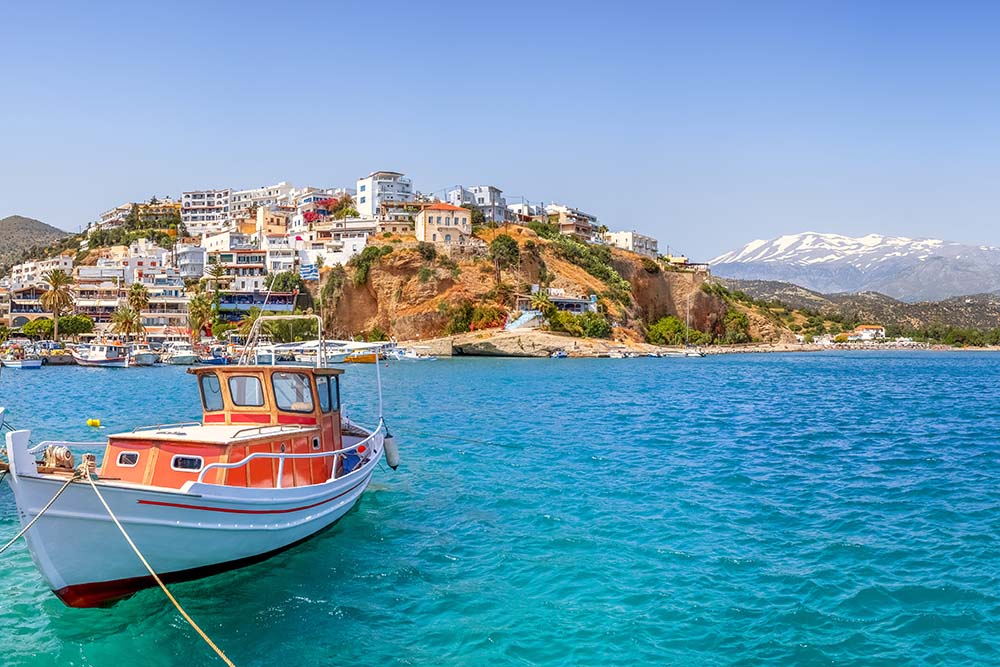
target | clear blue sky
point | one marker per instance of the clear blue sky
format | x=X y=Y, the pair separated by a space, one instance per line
x=706 y=124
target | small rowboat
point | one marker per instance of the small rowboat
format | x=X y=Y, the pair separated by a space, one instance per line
x=30 y=362
x=271 y=463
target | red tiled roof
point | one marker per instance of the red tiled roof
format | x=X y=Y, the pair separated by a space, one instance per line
x=441 y=206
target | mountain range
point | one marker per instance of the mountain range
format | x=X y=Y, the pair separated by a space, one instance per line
x=975 y=311
x=19 y=234
x=909 y=270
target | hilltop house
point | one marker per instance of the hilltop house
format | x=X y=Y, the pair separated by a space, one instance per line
x=444 y=224
x=866 y=332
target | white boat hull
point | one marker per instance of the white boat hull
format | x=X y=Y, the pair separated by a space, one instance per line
x=22 y=363
x=200 y=530
x=181 y=359
x=104 y=363
x=144 y=358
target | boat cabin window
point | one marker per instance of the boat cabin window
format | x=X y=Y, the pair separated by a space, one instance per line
x=246 y=391
x=128 y=459
x=292 y=392
x=329 y=393
x=187 y=463
x=323 y=390
x=211 y=392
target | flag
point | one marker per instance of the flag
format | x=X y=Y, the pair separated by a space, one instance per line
x=309 y=272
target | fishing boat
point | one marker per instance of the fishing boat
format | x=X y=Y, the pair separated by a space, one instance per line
x=180 y=354
x=410 y=354
x=106 y=355
x=26 y=361
x=142 y=355
x=216 y=357
x=558 y=354
x=272 y=462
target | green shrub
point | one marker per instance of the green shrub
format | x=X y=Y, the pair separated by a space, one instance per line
x=650 y=265
x=427 y=251
x=425 y=274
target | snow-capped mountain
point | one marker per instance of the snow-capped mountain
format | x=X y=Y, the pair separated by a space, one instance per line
x=907 y=269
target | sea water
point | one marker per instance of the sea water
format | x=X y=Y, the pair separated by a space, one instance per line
x=832 y=508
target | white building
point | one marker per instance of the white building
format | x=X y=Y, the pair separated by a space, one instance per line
x=634 y=242
x=33 y=273
x=205 y=212
x=281 y=255
x=866 y=332
x=336 y=241
x=226 y=241
x=488 y=198
x=242 y=201
x=189 y=260
x=525 y=210
x=115 y=217
x=380 y=186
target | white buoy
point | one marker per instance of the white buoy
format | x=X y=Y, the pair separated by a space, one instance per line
x=391 y=451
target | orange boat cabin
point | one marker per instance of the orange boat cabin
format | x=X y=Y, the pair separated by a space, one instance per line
x=246 y=410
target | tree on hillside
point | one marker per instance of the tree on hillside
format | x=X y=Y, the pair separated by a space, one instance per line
x=477 y=216
x=504 y=253
x=58 y=300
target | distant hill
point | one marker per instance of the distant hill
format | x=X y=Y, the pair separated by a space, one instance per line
x=910 y=270
x=19 y=234
x=978 y=311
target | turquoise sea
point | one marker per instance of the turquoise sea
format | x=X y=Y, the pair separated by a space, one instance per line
x=811 y=509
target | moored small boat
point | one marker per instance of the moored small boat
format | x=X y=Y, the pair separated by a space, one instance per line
x=180 y=354
x=271 y=463
x=142 y=355
x=106 y=355
x=22 y=362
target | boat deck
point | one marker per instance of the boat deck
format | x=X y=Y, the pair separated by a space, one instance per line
x=216 y=434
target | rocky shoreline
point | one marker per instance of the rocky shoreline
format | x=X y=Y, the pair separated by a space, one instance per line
x=534 y=343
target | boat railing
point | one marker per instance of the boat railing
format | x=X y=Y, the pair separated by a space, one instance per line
x=42 y=446
x=379 y=431
x=268 y=428
x=160 y=427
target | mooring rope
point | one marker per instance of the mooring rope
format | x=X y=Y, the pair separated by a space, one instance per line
x=39 y=515
x=156 y=577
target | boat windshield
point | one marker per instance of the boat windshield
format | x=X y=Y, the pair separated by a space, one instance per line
x=211 y=392
x=292 y=392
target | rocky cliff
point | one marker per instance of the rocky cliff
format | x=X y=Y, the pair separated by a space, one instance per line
x=410 y=293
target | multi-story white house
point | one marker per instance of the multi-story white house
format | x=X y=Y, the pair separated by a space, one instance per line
x=633 y=241
x=189 y=260
x=242 y=201
x=33 y=273
x=205 y=211
x=381 y=186
x=226 y=241
x=115 y=217
x=245 y=285
x=488 y=198
x=525 y=211
x=168 y=303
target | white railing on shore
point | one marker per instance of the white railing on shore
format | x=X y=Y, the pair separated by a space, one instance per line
x=380 y=430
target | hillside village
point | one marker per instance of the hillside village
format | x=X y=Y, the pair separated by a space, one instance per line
x=381 y=260
x=209 y=259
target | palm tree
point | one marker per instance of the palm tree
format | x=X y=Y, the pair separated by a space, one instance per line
x=58 y=299
x=138 y=297
x=246 y=324
x=127 y=321
x=199 y=314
